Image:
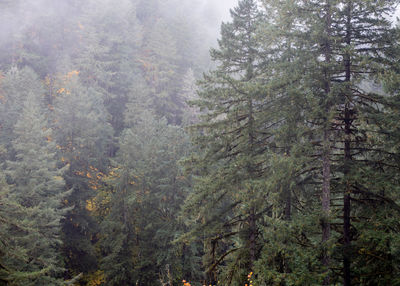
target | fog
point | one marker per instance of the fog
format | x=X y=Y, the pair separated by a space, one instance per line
x=20 y=15
x=51 y=26
x=136 y=151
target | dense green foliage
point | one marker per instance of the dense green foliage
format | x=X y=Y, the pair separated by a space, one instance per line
x=279 y=167
x=91 y=101
x=292 y=150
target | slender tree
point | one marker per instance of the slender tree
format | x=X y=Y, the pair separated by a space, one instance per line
x=83 y=136
x=228 y=188
x=342 y=45
x=147 y=189
x=37 y=186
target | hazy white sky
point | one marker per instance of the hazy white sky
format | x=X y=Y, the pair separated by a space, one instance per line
x=224 y=6
x=397 y=13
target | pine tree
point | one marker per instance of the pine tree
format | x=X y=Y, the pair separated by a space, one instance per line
x=363 y=36
x=37 y=188
x=83 y=136
x=188 y=93
x=9 y=212
x=146 y=193
x=160 y=70
x=109 y=62
x=289 y=168
x=15 y=86
x=229 y=190
x=341 y=45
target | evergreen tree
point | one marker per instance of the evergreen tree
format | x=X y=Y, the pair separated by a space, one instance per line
x=109 y=62
x=299 y=108
x=15 y=86
x=228 y=196
x=147 y=189
x=340 y=46
x=160 y=69
x=83 y=137
x=9 y=213
x=359 y=38
x=37 y=188
x=188 y=93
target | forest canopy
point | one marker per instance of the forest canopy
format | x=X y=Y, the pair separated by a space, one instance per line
x=137 y=149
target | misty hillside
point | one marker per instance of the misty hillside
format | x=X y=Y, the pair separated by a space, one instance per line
x=199 y=142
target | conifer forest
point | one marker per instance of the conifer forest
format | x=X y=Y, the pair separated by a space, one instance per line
x=199 y=142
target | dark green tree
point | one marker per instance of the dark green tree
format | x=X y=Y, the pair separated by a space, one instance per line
x=83 y=136
x=10 y=211
x=37 y=188
x=339 y=47
x=228 y=198
x=147 y=190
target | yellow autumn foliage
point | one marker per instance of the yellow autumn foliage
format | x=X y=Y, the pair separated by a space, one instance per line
x=72 y=73
x=61 y=90
x=97 y=278
x=58 y=178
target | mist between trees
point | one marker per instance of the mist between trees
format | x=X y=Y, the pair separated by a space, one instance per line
x=133 y=154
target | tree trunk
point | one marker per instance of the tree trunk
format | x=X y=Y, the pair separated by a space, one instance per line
x=347 y=158
x=326 y=199
x=326 y=163
x=346 y=202
x=253 y=230
x=288 y=206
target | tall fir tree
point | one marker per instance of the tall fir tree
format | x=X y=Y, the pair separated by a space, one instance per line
x=228 y=192
x=109 y=61
x=15 y=85
x=83 y=136
x=147 y=189
x=341 y=46
x=37 y=187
